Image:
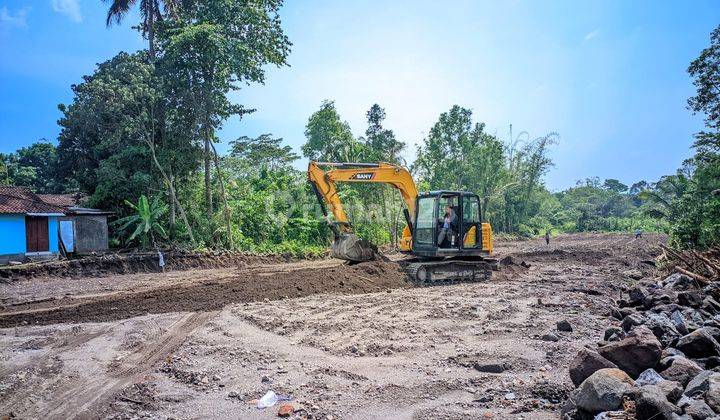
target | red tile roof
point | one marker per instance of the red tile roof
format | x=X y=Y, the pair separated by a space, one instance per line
x=61 y=200
x=22 y=200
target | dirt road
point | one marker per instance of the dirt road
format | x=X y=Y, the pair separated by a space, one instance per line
x=344 y=342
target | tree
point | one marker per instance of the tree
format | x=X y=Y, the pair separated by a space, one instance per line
x=151 y=12
x=212 y=49
x=263 y=152
x=34 y=166
x=101 y=144
x=615 y=185
x=382 y=142
x=705 y=71
x=329 y=138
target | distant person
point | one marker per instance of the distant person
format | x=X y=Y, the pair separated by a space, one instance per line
x=638 y=233
x=547 y=237
x=449 y=224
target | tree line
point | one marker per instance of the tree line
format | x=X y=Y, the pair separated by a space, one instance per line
x=139 y=139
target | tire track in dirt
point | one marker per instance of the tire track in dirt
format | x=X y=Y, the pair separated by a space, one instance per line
x=81 y=399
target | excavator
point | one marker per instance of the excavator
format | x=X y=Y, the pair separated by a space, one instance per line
x=463 y=253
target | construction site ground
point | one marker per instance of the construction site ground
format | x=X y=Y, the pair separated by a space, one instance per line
x=340 y=341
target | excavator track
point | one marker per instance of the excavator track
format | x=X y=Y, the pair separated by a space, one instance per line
x=427 y=273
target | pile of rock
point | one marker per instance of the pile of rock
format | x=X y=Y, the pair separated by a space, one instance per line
x=661 y=360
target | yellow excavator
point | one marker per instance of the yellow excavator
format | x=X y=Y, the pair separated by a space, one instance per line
x=462 y=252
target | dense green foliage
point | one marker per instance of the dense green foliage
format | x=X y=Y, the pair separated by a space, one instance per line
x=142 y=128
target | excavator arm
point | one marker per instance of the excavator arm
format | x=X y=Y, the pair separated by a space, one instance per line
x=347 y=245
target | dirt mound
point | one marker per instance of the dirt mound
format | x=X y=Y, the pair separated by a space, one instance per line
x=212 y=295
x=146 y=262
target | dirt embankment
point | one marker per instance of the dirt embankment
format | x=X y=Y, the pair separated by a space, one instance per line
x=244 y=286
x=141 y=262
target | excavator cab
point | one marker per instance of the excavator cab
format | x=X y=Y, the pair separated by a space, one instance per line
x=463 y=237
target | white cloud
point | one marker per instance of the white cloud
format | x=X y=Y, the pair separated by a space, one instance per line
x=69 y=8
x=17 y=19
x=591 y=35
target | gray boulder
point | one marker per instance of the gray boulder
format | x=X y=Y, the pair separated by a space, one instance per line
x=678 y=320
x=662 y=327
x=698 y=410
x=678 y=281
x=651 y=403
x=603 y=390
x=613 y=333
x=699 y=384
x=699 y=343
x=638 y=351
x=637 y=295
x=648 y=377
x=691 y=298
x=712 y=395
x=585 y=364
x=681 y=370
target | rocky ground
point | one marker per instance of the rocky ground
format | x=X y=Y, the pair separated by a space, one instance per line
x=330 y=341
x=659 y=359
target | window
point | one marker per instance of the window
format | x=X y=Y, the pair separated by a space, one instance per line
x=424 y=224
x=471 y=222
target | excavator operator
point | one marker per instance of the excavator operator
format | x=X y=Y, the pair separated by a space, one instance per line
x=449 y=226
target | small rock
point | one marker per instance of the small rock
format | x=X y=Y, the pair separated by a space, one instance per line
x=265 y=379
x=510 y=396
x=232 y=394
x=484 y=398
x=490 y=367
x=216 y=378
x=633 y=274
x=286 y=410
x=648 y=377
x=678 y=281
x=678 y=321
x=603 y=390
x=549 y=337
x=613 y=331
x=564 y=325
x=631 y=320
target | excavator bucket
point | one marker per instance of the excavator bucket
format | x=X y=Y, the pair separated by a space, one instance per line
x=350 y=247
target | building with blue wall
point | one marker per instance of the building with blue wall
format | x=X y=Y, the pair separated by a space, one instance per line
x=29 y=227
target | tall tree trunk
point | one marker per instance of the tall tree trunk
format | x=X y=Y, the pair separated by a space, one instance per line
x=171 y=187
x=173 y=209
x=151 y=29
x=228 y=219
x=208 y=192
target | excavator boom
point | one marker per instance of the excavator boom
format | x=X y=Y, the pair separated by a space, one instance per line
x=347 y=245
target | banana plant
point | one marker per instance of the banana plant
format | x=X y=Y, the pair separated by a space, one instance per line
x=145 y=221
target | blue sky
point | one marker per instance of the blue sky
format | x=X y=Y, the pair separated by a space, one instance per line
x=608 y=76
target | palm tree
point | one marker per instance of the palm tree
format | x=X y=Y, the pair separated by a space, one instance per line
x=150 y=12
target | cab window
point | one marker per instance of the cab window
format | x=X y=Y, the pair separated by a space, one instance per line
x=424 y=224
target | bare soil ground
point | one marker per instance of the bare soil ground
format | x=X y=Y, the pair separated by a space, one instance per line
x=343 y=341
